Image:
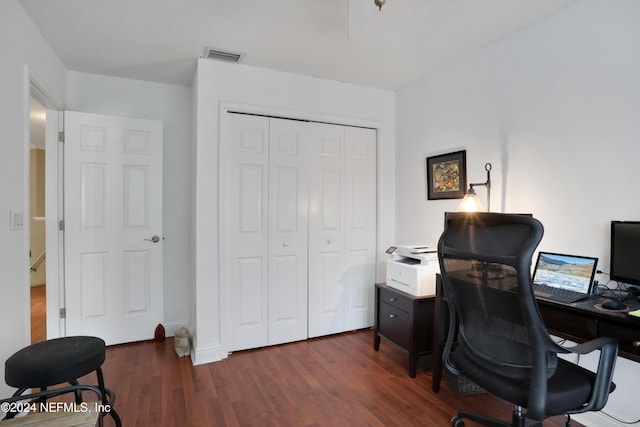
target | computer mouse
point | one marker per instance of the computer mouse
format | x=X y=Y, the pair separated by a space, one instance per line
x=611 y=304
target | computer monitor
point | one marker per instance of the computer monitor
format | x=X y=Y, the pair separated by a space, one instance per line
x=625 y=247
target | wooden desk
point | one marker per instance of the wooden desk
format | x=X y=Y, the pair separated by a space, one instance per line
x=582 y=321
x=577 y=322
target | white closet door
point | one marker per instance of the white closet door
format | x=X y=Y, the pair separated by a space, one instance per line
x=244 y=230
x=297 y=230
x=360 y=226
x=326 y=230
x=288 y=235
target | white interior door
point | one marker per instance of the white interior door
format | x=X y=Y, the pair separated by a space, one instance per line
x=360 y=226
x=288 y=234
x=113 y=227
x=342 y=228
x=326 y=230
x=264 y=232
x=244 y=193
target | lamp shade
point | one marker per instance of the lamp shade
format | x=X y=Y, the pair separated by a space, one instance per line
x=470 y=203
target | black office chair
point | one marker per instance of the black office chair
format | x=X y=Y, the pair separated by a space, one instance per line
x=496 y=336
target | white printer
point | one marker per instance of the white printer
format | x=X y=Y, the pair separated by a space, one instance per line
x=412 y=269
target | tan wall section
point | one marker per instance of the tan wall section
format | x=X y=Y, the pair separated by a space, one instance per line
x=36 y=203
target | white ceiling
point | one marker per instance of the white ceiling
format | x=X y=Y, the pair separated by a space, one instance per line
x=345 y=40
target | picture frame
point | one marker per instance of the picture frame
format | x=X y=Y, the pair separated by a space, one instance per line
x=447 y=175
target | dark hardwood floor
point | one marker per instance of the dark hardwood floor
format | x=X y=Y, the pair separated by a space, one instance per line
x=331 y=381
x=38 y=313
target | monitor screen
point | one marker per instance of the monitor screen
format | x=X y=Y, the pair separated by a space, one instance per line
x=625 y=252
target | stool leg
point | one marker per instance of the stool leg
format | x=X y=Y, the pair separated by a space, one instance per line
x=77 y=393
x=108 y=398
x=10 y=415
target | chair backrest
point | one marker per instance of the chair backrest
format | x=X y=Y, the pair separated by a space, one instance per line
x=485 y=262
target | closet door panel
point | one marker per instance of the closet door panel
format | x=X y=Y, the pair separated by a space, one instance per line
x=360 y=226
x=326 y=230
x=330 y=292
x=244 y=231
x=288 y=234
x=249 y=293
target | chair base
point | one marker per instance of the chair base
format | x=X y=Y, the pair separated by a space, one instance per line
x=517 y=420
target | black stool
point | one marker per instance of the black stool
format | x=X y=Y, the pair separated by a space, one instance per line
x=58 y=361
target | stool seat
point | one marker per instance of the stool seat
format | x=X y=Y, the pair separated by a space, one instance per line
x=55 y=361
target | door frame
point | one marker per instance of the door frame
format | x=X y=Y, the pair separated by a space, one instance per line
x=34 y=85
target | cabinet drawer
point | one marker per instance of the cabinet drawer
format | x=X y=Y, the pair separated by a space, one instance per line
x=395 y=325
x=625 y=335
x=396 y=299
x=569 y=325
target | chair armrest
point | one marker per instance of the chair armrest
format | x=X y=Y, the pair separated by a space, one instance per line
x=608 y=354
x=589 y=346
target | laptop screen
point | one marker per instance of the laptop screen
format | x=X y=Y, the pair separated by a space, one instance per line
x=565 y=271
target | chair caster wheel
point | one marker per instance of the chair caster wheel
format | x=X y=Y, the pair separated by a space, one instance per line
x=457 y=422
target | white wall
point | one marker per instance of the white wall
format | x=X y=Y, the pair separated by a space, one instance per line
x=172 y=105
x=290 y=95
x=21 y=44
x=555 y=109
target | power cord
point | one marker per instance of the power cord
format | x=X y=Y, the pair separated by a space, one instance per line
x=618 y=420
x=619 y=292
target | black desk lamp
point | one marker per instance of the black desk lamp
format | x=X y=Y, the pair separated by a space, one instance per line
x=471 y=202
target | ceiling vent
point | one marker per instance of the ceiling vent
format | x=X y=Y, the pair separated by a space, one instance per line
x=222 y=55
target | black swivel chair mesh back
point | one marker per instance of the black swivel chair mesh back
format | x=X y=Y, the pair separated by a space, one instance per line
x=501 y=342
x=482 y=268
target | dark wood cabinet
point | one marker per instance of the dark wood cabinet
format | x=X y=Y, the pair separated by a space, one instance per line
x=406 y=321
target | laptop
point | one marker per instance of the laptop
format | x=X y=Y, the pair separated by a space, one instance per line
x=563 y=278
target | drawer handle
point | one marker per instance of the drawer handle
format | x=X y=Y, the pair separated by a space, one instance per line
x=392 y=316
x=392 y=299
x=636 y=344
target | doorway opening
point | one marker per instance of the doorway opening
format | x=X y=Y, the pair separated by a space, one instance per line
x=37 y=226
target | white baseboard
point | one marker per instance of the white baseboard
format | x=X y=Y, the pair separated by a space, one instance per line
x=171 y=328
x=202 y=354
x=208 y=354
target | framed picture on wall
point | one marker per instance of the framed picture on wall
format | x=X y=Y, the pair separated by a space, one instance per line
x=447 y=176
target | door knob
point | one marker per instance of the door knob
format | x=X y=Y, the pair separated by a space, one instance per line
x=154 y=239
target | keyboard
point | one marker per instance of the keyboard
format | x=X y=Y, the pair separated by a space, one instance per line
x=614 y=294
x=556 y=294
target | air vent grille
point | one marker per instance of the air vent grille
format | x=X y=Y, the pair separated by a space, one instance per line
x=222 y=55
